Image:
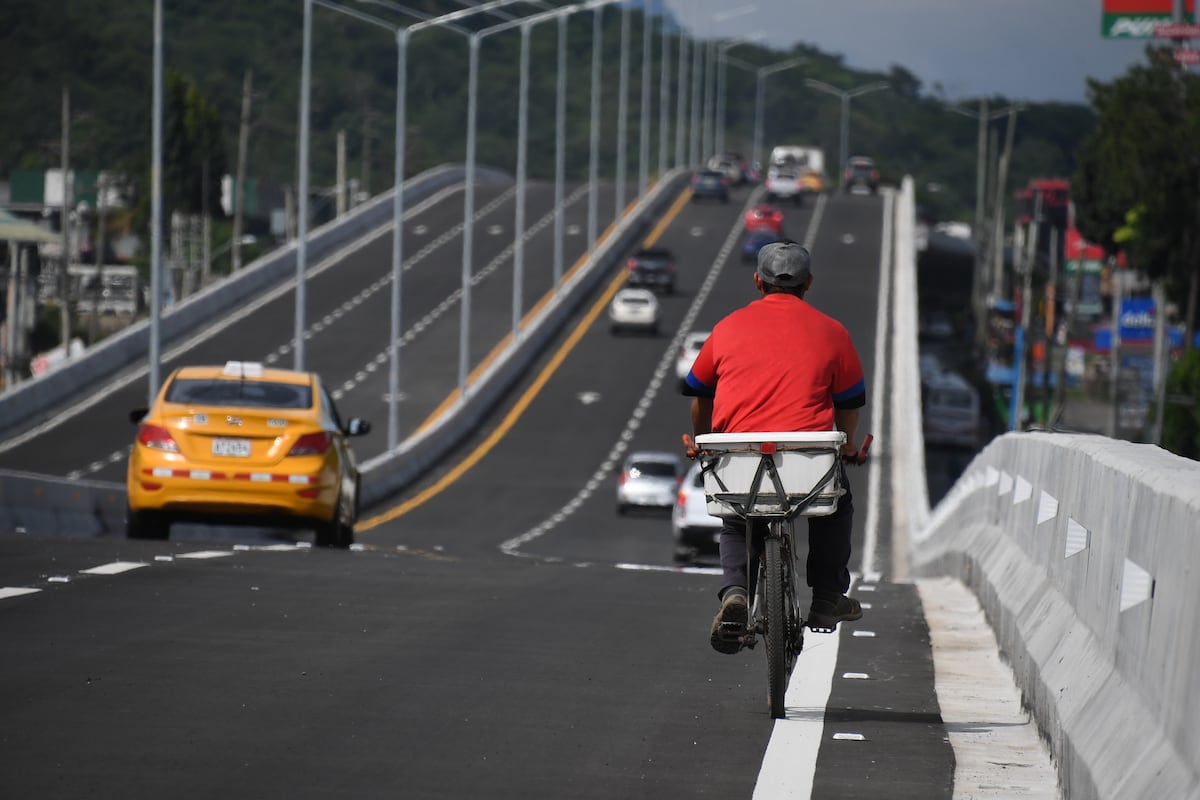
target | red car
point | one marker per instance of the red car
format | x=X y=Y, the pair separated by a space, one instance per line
x=764 y=216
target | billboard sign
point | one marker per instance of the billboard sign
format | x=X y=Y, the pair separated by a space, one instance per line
x=1137 y=19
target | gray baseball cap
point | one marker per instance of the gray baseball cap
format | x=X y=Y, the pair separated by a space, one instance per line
x=784 y=264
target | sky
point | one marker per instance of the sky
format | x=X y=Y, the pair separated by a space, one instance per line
x=1035 y=50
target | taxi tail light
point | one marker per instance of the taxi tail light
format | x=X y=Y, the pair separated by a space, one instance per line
x=311 y=444
x=156 y=437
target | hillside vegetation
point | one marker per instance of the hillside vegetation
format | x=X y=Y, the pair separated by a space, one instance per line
x=103 y=53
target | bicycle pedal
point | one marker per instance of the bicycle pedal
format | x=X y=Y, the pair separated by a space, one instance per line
x=821 y=628
x=731 y=630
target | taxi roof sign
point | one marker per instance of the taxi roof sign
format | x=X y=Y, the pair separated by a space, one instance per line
x=244 y=369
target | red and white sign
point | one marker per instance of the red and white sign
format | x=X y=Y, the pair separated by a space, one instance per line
x=1187 y=56
x=1177 y=30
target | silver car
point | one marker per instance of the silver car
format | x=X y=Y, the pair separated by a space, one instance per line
x=648 y=479
x=695 y=532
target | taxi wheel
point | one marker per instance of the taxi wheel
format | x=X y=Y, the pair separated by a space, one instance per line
x=146 y=525
x=335 y=533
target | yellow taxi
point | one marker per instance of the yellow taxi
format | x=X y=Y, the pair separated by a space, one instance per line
x=240 y=444
x=812 y=181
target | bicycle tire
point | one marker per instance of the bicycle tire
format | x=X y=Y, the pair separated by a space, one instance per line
x=776 y=633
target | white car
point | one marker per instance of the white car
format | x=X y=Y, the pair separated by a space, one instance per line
x=695 y=532
x=783 y=183
x=688 y=352
x=634 y=309
x=648 y=479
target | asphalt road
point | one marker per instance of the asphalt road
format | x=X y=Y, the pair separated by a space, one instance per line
x=501 y=632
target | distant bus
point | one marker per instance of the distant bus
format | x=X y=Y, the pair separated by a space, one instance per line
x=950 y=409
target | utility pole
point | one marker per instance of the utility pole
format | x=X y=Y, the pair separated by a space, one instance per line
x=998 y=211
x=239 y=191
x=341 y=173
x=67 y=201
x=1114 y=361
x=98 y=286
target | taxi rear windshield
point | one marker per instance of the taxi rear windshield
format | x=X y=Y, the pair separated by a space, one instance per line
x=239 y=394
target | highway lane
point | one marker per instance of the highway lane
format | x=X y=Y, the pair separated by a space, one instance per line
x=430 y=664
x=349 y=326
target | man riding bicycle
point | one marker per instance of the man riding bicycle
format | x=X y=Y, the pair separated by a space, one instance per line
x=778 y=364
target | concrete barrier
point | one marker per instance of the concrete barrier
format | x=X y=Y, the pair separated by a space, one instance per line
x=39 y=504
x=35 y=400
x=1085 y=553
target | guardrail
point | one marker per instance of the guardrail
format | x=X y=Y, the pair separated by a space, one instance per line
x=35 y=400
x=1085 y=554
x=48 y=505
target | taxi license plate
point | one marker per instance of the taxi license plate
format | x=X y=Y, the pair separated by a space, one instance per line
x=231 y=447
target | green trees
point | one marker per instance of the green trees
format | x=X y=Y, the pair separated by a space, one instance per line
x=1138 y=183
x=194 y=157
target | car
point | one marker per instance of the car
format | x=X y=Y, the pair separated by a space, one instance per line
x=710 y=183
x=695 y=532
x=732 y=165
x=688 y=352
x=813 y=182
x=652 y=268
x=753 y=241
x=763 y=215
x=634 y=309
x=648 y=479
x=241 y=444
x=783 y=183
x=860 y=175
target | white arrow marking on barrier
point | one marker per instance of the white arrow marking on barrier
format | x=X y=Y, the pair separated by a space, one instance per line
x=1077 y=538
x=1135 y=585
x=1047 y=508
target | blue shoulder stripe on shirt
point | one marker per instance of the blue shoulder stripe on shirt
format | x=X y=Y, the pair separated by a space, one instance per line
x=695 y=388
x=854 y=397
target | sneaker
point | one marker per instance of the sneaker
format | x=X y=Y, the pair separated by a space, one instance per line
x=730 y=623
x=826 y=613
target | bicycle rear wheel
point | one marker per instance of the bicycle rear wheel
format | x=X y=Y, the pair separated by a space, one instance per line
x=778 y=657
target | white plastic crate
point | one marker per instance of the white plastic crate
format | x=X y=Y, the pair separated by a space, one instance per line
x=802 y=460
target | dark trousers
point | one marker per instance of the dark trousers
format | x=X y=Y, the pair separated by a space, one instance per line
x=828 y=549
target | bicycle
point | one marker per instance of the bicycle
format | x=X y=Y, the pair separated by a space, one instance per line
x=747 y=476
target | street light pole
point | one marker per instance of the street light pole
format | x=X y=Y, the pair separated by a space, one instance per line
x=622 y=111
x=664 y=92
x=681 y=90
x=155 y=206
x=722 y=60
x=846 y=96
x=761 y=74
x=302 y=211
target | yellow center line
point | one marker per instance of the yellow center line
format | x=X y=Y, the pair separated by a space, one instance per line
x=514 y=414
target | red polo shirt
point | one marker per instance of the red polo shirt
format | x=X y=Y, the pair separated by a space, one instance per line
x=778 y=364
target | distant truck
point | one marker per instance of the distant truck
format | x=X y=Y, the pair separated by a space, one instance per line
x=806 y=157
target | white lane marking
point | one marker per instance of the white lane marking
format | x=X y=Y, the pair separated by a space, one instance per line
x=856 y=676
x=15 y=591
x=790 y=762
x=115 y=568
x=870 y=556
x=665 y=365
x=849 y=737
x=815 y=223
x=121 y=382
x=207 y=554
